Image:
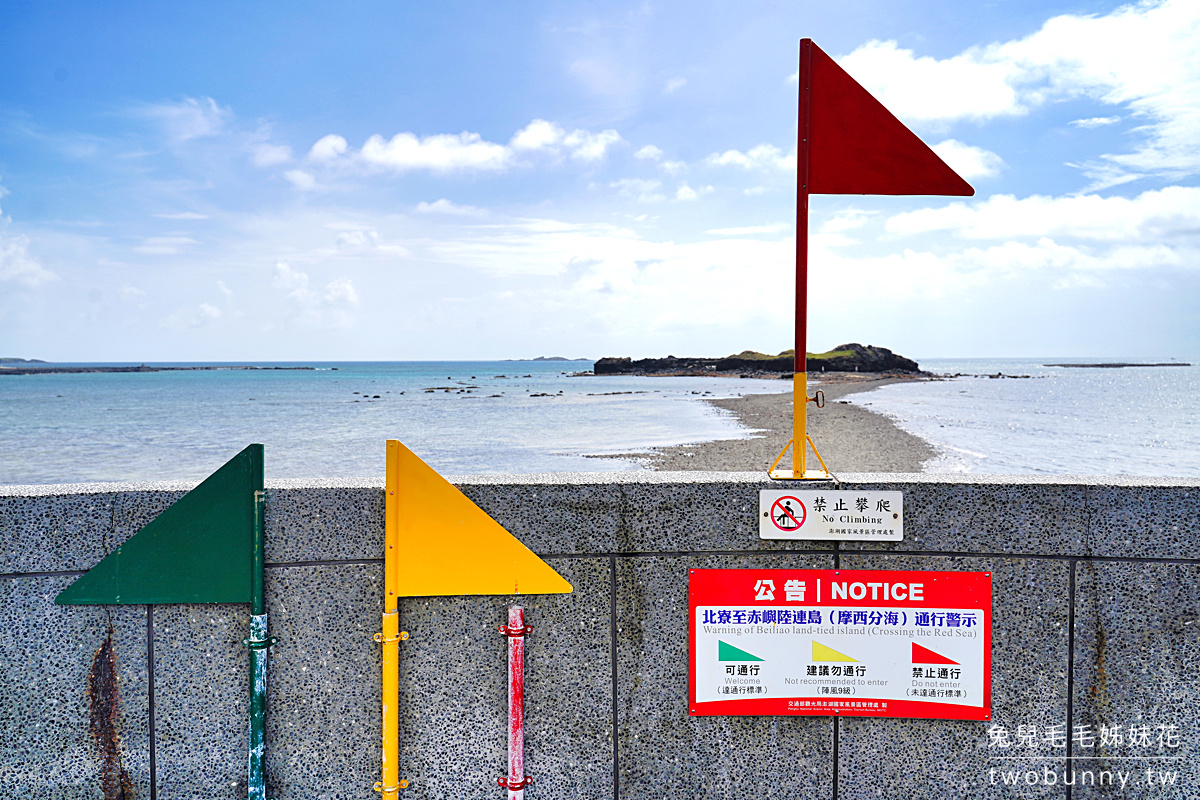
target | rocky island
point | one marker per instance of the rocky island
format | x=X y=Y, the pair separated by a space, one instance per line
x=852 y=357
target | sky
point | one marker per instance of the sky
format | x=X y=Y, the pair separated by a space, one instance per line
x=398 y=180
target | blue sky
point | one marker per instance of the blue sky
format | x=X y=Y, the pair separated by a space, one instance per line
x=397 y=180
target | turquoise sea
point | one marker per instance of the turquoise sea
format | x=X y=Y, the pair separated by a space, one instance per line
x=463 y=417
x=1052 y=420
x=522 y=417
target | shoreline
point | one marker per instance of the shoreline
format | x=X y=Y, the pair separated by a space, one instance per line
x=849 y=437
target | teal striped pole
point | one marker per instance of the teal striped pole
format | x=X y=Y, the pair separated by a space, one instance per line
x=258 y=644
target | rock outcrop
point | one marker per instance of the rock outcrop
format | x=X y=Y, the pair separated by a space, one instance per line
x=852 y=357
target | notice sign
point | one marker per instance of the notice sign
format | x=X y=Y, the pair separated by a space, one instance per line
x=861 y=643
x=831 y=515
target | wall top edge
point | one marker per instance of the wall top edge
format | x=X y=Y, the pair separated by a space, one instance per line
x=897 y=479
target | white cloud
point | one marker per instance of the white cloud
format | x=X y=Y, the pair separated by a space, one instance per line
x=1140 y=57
x=324 y=308
x=165 y=245
x=1104 y=175
x=687 y=193
x=610 y=279
x=300 y=179
x=549 y=136
x=674 y=85
x=752 y=230
x=441 y=152
x=1095 y=122
x=976 y=84
x=360 y=241
x=198 y=317
x=294 y=282
x=652 y=153
x=463 y=152
x=224 y=289
x=587 y=146
x=17 y=265
x=1170 y=215
x=537 y=135
x=328 y=148
x=190 y=118
x=340 y=291
x=268 y=155
x=191 y=215
x=641 y=189
x=973 y=273
x=845 y=221
x=762 y=157
x=444 y=206
x=131 y=293
x=967 y=160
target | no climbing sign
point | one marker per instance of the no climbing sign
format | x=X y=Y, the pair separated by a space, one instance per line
x=840 y=642
x=831 y=515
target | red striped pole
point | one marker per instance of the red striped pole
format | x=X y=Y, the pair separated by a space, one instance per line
x=516 y=781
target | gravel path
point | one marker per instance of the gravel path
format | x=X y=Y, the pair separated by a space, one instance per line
x=850 y=438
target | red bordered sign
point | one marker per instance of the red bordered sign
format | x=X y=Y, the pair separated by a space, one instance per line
x=863 y=643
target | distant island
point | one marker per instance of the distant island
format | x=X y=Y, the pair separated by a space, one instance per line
x=548 y=358
x=852 y=357
x=32 y=367
x=21 y=361
x=1117 y=365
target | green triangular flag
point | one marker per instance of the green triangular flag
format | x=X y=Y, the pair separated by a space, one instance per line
x=727 y=652
x=200 y=550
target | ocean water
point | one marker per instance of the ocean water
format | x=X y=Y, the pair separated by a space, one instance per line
x=461 y=417
x=1064 y=421
x=521 y=417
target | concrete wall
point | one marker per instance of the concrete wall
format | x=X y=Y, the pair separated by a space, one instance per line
x=1096 y=620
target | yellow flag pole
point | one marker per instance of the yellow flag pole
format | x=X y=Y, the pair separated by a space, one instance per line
x=799 y=424
x=391 y=784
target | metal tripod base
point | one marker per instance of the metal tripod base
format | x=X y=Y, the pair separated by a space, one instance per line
x=775 y=473
x=789 y=475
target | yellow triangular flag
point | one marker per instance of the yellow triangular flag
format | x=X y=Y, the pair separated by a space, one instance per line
x=447 y=545
x=823 y=653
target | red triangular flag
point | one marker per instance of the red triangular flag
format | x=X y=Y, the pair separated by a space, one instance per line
x=855 y=145
x=923 y=655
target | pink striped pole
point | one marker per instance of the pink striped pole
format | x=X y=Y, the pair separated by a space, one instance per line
x=516 y=781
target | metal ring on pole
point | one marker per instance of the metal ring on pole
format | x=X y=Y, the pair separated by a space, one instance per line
x=507 y=631
x=515 y=784
x=260 y=644
x=386 y=790
x=400 y=637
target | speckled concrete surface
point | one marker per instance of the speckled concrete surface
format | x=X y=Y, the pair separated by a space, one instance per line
x=921 y=759
x=46 y=653
x=325 y=524
x=324 y=681
x=1137 y=663
x=201 y=689
x=1144 y=521
x=664 y=751
x=45 y=534
x=1042 y=519
x=1136 y=647
x=454 y=691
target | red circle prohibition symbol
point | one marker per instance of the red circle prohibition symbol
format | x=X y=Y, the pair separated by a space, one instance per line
x=781 y=515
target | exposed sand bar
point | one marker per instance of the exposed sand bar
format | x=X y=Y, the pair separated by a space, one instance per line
x=850 y=438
